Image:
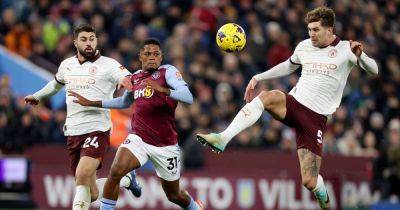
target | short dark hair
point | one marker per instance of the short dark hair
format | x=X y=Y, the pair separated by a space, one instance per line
x=83 y=27
x=324 y=14
x=151 y=41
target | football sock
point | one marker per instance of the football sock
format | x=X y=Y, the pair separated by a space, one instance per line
x=82 y=198
x=107 y=204
x=192 y=205
x=246 y=117
x=320 y=190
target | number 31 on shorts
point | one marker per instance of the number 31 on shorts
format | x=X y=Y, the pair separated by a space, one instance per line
x=319 y=136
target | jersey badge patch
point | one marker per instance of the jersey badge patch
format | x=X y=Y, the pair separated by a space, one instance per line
x=332 y=53
x=155 y=75
x=93 y=70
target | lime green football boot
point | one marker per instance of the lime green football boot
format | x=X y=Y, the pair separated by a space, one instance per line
x=323 y=200
x=212 y=140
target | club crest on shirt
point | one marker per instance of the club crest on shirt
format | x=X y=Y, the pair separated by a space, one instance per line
x=155 y=75
x=178 y=75
x=93 y=70
x=332 y=53
x=127 y=141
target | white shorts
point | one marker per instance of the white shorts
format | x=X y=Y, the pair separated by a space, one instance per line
x=166 y=160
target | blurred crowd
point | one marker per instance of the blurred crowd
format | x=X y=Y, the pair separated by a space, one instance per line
x=367 y=123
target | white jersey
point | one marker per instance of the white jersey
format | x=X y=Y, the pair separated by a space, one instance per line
x=323 y=76
x=94 y=80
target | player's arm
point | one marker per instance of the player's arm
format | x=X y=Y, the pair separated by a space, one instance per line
x=121 y=102
x=120 y=75
x=368 y=64
x=285 y=68
x=179 y=89
x=48 y=90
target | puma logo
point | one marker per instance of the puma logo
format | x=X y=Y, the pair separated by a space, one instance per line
x=246 y=112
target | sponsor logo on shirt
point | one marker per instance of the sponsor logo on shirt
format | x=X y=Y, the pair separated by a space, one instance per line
x=319 y=68
x=146 y=92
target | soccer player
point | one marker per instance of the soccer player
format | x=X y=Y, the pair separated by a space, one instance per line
x=87 y=128
x=156 y=92
x=326 y=62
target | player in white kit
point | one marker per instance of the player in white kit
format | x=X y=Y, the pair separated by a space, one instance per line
x=326 y=62
x=87 y=128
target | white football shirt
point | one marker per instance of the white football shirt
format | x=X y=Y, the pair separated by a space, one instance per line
x=95 y=80
x=324 y=74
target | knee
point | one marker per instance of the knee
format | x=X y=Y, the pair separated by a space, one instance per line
x=83 y=176
x=173 y=197
x=117 y=171
x=309 y=182
x=270 y=98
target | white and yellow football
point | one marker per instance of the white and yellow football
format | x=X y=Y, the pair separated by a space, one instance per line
x=231 y=37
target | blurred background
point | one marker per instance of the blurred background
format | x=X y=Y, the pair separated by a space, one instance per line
x=260 y=169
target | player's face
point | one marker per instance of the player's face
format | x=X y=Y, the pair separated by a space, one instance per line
x=150 y=57
x=86 y=44
x=319 y=34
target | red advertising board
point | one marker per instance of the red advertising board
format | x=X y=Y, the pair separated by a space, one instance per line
x=233 y=180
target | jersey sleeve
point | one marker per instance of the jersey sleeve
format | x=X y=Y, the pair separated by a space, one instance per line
x=118 y=71
x=294 y=59
x=59 y=77
x=352 y=57
x=174 y=78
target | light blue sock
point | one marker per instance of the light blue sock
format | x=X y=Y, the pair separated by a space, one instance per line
x=192 y=205
x=107 y=204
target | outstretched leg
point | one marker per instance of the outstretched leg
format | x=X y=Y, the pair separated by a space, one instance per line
x=310 y=164
x=179 y=196
x=272 y=101
x=123 y=163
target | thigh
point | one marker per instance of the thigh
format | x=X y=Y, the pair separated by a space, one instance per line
x=274 y=102
x=95 y=145
x=310 y=163
x=135 y=150
x=125 y=161
x=166 y=161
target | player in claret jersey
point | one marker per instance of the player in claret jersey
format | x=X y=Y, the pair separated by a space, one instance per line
x=155 y=95
x=326 y=62
x=87 y=128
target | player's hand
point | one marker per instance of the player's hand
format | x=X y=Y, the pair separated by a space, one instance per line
x=356 y=47
x=154 y=85
x=126 y=83
x=80 y=99
x=31 y=100
x=249 y=94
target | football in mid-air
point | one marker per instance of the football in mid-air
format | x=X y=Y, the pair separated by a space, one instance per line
x=231 y=37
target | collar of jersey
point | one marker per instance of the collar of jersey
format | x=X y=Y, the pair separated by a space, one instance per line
x=333 y=43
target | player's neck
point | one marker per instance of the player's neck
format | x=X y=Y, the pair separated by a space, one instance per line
x=330 y=41
x=82 y=59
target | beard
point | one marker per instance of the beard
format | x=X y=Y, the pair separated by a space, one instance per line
x=151 y=69
x=88 y=55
